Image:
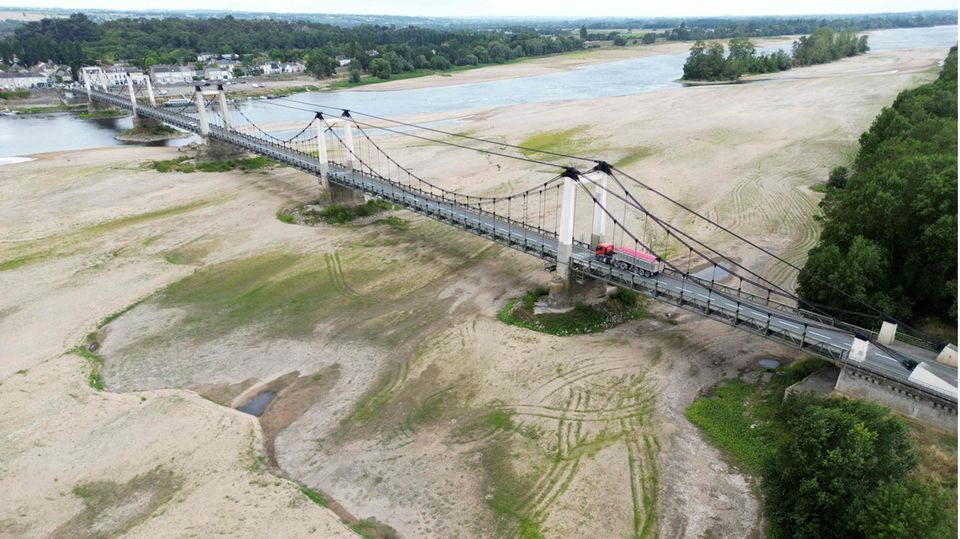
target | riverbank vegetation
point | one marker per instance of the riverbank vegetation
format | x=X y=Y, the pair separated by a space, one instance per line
x=379 y=50
x=890 y=229
x=710 y=63
x=187 y=165
x=832 y=467
x=621 y=306
x=149 y=133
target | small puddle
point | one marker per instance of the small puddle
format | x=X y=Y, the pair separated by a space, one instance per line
x=769 y=363
x=258 y=403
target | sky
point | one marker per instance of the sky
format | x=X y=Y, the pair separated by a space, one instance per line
x=559 y=8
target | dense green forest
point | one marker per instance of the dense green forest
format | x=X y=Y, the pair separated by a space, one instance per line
x=890 y=230
x=710 y=63
x=77 y=40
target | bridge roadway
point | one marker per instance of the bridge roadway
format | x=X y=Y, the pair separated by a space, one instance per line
x=774 y=321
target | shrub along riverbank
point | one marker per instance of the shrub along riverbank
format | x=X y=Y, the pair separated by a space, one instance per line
x=832 y=468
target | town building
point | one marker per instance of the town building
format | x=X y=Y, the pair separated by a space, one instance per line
x=343 y=60
x=21 y=80
x=217 y=73
x=170 y=74
x=269 y=68
x=293 y=67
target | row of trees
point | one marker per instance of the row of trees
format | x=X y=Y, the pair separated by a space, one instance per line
x=722 y=28
x=77 y=40
x=712 y=62
x=890 y=229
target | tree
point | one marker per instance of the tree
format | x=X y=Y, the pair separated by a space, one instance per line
x=901 y=199
x=649 y=38
x=440 y=63
x=835 y=455
x=619 y=41
x=838 y=177
x=380 y=68
x=583 y=32
x=354 y=75
x=320 y=64
x=903 y=509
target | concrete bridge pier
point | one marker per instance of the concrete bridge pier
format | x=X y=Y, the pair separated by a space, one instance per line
x=332 y=192
x=564 y=291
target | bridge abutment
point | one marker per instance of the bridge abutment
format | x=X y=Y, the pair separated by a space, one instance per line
x=901 y=399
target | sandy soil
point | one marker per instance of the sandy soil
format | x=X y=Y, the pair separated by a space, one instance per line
x=161 y=463
x=398 y=392
x=549 y=64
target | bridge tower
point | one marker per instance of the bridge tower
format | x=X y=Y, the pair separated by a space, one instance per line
x=94 y=77
x=564 y=290
x=333 y=192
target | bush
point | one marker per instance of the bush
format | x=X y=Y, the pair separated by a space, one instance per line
x=339 y=214
x=354 y=76
x=838 y=177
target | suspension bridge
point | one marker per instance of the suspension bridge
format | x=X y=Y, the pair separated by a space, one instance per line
x=546 y=220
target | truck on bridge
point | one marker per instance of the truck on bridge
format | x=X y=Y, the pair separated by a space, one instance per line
x=629 y=259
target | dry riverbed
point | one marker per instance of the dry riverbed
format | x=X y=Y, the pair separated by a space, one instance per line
x=398 y=393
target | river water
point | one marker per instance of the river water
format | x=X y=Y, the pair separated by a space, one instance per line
x=54 y=132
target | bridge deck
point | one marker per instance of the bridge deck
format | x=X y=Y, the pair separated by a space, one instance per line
x=785 y=324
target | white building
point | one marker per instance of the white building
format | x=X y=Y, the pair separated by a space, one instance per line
x=217 y=73
x=18 y=80
x=168 y=74
x=117 y=75
x=294 y=67
x=343 y=60
x=269 y=68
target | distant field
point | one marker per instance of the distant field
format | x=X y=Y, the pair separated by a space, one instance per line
x=26 y=16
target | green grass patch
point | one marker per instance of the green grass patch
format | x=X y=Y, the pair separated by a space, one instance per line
x=60 y=107
x=151 y=131
x=99 y=114
x=739 y=418
x=726 y=420
x=283 y=295
x=635 y=154
x=93 y=377
x=393 y=222
x=286 y=217
x=566 y=141
x=109 y=509
x=184 y=164
x=67 y=243
x=620 y=307
x=338 y=214
x=173 y=165
x=370 y=79
x=314 y=496
x=509 y=490
x=20 y=93
x=284 y=92
x=819 y=188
